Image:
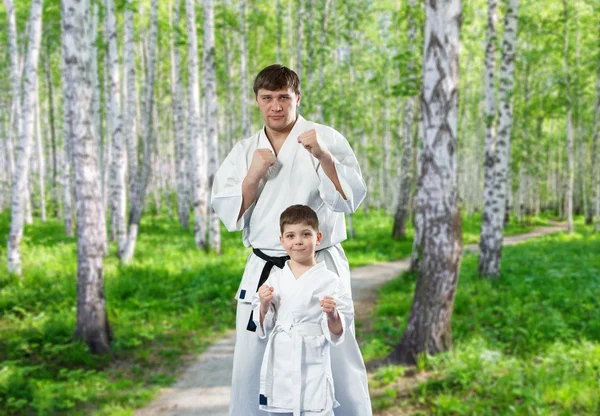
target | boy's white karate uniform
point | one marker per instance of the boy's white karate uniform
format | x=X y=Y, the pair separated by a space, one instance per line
x=295 y=178
x=296 y=373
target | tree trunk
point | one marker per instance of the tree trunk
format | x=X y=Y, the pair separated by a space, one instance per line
x=244 y=85
x=570 y=174
x=40 y=155
x=19 y=187
x=118 y=197
x=130 y=105
x=299 y=41
x=320 y=118
x=15 y=84
x=492 y=235
x=403 y=210
x=428 y=330
x=196 y=133
x=92 y=321
x=183 y=209
x=137 y=205
x=210 y=97
x=595 y=149
x=55 y=192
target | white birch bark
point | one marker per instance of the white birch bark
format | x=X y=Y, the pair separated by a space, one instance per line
x=183 y=209
x=403 y=210
x=15 y=79
x=299 y=41
x=130 y=105
x=492 y=234
x=19 y=187
x=595 y=156
x=92 y=320
x=107 y=150
x=320 y=118
x=137 y=204
x=570 y=174
x=41 y=165
x=210 y=98
x=196 y=135
x=244 y=84
x=277 y=31
x=118 y=201
x=428 y=329
x=96 y=98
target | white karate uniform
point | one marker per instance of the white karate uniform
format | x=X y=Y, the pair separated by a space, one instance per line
x=296 y=373
x=295 y=178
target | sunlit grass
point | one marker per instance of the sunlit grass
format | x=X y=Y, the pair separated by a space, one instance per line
x=171 y=301
x=528 y=343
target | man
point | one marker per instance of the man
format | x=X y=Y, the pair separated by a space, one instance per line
x=289 y=161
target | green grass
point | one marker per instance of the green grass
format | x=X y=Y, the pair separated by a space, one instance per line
x=169 y=304
x=528 y=343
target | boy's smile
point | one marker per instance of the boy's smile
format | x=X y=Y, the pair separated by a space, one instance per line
x=300 y=242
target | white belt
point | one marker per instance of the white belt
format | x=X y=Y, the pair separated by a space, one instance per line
x=266 y=372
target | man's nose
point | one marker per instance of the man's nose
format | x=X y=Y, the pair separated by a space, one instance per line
x=277 y=106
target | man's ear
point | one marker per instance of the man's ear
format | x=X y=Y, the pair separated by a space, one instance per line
x=319 y=237
x=299 y=98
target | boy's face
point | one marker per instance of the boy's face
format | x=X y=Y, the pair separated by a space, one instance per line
x=300 y=241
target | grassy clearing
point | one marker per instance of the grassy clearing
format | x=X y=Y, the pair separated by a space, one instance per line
x=169 y=304
x=528 y=343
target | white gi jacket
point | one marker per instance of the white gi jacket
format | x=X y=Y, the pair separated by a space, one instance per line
x=295 y=178
x=296 y=369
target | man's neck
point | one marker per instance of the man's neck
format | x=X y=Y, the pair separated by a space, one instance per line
x=279 y=135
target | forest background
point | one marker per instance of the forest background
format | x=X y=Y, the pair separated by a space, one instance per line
x=168 y=101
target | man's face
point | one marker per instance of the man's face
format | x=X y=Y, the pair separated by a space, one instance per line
x=300 y=241
x=278 y=108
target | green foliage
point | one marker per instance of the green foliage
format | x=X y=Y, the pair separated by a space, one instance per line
x=526 y=343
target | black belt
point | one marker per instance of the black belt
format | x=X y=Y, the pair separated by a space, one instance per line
x=264 y=275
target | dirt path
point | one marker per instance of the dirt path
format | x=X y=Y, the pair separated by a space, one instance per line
x=203 y=388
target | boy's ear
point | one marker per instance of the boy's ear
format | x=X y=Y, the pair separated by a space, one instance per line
x=319 y=237
x=281 y=239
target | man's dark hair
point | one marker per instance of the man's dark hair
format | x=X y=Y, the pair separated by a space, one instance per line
x=276 y=77
x=297 y=214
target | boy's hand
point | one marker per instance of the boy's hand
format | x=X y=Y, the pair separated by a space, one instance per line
x=328 y=305
x=262 y=160
x=265 y=293
x=312 y=143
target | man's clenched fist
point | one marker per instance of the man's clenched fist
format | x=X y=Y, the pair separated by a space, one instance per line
x=261 y=161
x=312 y=143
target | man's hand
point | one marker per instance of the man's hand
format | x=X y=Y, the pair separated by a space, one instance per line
x=312 y=143
x=265 y=293
x=262 y=160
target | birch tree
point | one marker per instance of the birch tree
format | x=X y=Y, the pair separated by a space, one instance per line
x=143 y=176
x=428 y=329
x=92 y=322
x=403 y=209
x=118 y=201
x=244 y=84
x=130 y=93
x=183 y=209
x=570 y=174
x=595 y=149
x=492 y=234
x=41 y=165
x=15 y=84
x=195 y=133
x=210 y=98
x=68 y=109
x=19 y=187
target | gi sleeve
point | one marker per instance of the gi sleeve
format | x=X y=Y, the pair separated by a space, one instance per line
x=345 y=310
x=226 y=197
x=348 y=172
x=269 y=322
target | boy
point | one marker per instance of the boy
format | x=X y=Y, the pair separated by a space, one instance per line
x=304 y=309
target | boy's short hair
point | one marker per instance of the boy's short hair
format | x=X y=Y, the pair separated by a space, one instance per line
x=276 y=77
x=297 y=214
